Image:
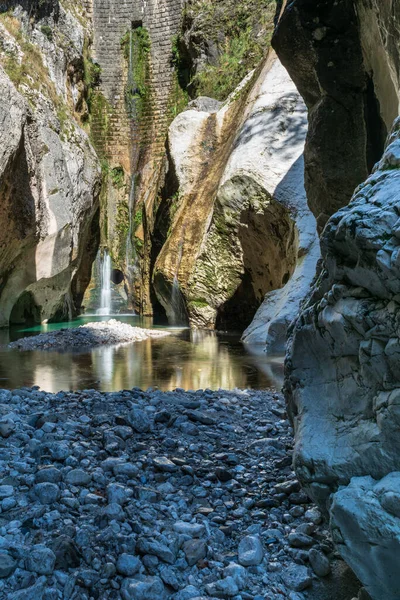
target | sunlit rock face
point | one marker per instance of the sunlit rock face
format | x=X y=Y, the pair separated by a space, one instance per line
x=49 y=173
x=241 y=224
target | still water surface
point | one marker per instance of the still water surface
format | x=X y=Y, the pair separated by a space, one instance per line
x=187 y=359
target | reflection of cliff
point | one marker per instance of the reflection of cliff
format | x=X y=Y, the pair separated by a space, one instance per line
x=193 y=360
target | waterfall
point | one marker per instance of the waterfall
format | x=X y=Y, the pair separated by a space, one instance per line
x=105 y=298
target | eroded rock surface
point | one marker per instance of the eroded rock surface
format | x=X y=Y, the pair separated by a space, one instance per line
x=343 y=377
x=241 y=225
x=49 y=173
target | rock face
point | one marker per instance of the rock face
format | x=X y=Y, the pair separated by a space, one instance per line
x=49 y=173
x=342 y=374
x=343 y=378
x=240 y=221
x=342 y=57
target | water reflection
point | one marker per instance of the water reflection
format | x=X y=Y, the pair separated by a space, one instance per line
x=186 y=359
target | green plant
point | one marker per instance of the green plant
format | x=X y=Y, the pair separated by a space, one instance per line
x=47 y=31
x=117 y=177
x=138 y=218
x=136 y=47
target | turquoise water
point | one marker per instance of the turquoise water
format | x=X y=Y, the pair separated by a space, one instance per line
x=187 y=359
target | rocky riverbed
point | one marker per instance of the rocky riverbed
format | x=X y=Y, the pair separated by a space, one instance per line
x=90 y=335
x=151 y=495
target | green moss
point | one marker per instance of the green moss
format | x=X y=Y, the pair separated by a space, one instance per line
x=240 y=30
x=117 y=176
x=138 y=218
x=198 y=303
x=136 y=46
x=47 y=31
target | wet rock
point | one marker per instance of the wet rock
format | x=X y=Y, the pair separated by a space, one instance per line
x=139 y=420
x=162 y=463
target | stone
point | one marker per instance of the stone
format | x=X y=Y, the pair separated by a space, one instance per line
x=194 y=550
x=6 y=491
x=296 y=577
x=165 y=465
x=139 y=420
x=155 y=548
x=118 y=494
x=150 y=588
x=66 y=552
x=7 y=565
x=33 y=592
x=187 y=593
x=194 y=530
x=48 y=474
x=7 y=427
x=128 y=565
x=40 y=560
x=319 y=563
x=300 y=540
x=78 y=477
x=47 y=493
x=237 y=573
x=250 y=551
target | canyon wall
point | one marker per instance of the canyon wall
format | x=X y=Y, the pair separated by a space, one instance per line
x=342 y=372
x=240 y=225
x=49 y=172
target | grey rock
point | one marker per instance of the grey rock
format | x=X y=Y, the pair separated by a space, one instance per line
x=195 y=550
x=296 y=577
x=194 y=530
x=149 y=588
x=139 y=420
x=47 y=493
x=40 y=560
x=78 y=477
x=66 y=552
x=34 y=592
x=250 y=551
x=6 y=491
x=238 y=574
x=48 y=474
x=145 y=546
x=319 y=562
x=118 y=494
x=162 y=463
x=7 y=565
x=128 y=565
x=7 y=427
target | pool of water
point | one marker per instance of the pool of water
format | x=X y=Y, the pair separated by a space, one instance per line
x=186 y=359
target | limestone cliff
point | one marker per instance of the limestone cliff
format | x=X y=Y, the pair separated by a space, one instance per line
x=240 y=222
x=49 y=173
x=342 y=368
x=341 y=56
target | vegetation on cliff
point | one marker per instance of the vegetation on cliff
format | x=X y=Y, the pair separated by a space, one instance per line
x=220 y=43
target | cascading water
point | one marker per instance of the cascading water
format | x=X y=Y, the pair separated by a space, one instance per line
x=105 y=280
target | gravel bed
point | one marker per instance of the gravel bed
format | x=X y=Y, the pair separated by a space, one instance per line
x=139 y=495
x=90 y=335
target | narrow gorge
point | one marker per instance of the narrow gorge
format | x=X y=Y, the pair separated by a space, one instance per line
x=199 y=303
